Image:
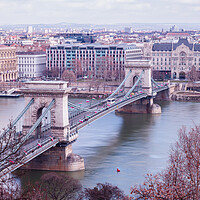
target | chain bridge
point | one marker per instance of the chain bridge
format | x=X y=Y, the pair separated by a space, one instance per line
x=49 y=123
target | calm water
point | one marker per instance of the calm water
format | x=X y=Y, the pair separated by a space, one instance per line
x=135 y=143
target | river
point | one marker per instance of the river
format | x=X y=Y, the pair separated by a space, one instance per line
x=135 y=143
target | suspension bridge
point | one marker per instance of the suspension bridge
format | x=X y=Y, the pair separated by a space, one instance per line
x=50 y=120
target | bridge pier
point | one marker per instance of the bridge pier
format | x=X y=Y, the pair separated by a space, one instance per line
x=143 y=106
x=57 y=159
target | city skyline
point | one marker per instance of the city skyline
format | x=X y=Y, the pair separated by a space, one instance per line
x=99 y=12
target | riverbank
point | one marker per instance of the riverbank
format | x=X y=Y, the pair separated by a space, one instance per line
x=186 y=96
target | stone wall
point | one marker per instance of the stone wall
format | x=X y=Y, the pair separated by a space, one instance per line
x=186 y=96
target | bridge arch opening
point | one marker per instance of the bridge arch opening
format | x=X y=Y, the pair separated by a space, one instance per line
x=135 y=78
x=45 y=124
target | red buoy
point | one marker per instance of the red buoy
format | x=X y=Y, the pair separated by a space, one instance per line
x=118 y=170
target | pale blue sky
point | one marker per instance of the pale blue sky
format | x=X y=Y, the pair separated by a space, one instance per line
x=99 y=11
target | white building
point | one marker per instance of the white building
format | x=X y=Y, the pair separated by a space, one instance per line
x=31 y=64
x=128 y=30
x=30 y=29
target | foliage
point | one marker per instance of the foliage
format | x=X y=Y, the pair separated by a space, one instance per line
x=181 y=179
x=103 y=192
x=54 y=186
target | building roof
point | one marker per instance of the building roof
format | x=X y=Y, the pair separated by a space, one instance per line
x=178 y=34
x=95 y=46
x=31 y=53
x=182 y=41
x=173 y=46
x=162 y=47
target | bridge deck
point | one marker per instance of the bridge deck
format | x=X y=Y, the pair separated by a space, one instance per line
x=28 y=152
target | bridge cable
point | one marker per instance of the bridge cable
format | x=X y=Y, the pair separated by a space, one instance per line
x=17 y=147
x=18 y=117
x=154 y=82
x=78 y=107
x=129 y=92
x=119 y=87
x=35 y=125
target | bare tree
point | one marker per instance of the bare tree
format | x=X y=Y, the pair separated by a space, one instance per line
x=54 y=186
x=69 y=76
x=54 y=72
x=104 y=192
x=97 y=84
x=192 y=76
x=91 y=84
x=77 y=67
x=10 y=153
x=181 y=179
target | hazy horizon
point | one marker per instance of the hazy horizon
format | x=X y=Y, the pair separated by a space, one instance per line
x=97 y=12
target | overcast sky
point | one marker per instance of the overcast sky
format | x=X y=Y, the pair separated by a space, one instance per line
x=99 y=11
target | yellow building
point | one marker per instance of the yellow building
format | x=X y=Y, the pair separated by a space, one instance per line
x=8 y=63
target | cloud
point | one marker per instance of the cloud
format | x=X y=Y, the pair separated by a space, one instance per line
x=98 y=11
x=189 y=1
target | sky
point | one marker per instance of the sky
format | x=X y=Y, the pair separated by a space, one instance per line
x=99 y=11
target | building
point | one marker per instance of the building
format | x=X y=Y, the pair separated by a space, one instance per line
x=92 y=60
x=128 y=30
x=177 y=35
x=174 y=59
x=31 y=64
x=8 y=63
x=30 y=30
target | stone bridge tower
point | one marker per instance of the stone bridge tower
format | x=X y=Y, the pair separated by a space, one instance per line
x=140 y=68
x=55 y=124
x=43 y=93
x=137 y=67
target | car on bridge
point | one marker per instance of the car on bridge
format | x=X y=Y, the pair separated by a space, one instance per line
x=111 y=101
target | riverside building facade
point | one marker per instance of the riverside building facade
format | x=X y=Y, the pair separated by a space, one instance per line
x=173 y=60
x=91 y=60
x=31 y=64
x=8 y=63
